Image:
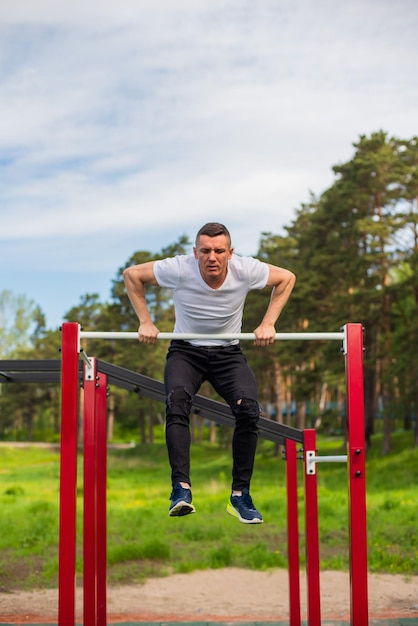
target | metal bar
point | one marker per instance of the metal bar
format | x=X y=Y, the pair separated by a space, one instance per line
x=220 y=336
x=293 y=534
x=312 y=536
x=340 y=458
x=211 y=409
x=28 y=365
x=312 y=460
x=68 y=475
x=356 y=474
x=85 y=358
x=90 y=495
x=32 y=377
x=33 y=371
x=101 y=522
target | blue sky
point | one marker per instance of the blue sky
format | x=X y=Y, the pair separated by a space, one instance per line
x=124 y=125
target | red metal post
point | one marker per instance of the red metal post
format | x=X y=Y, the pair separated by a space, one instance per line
x=68 y=474
x=90 y=502
x=312 y=533
x=101 y=450
x=356 y=474
x=293 y=533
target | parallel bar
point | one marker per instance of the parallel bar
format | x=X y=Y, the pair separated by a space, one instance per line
x=23 y=365
x=356 y=474
x=68 y=475
x=220 y=336
x=211 y=409
x=31 y=377
x=293 y=533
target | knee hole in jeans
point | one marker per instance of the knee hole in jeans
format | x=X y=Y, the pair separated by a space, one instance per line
x=179 y=397
x=248 y=407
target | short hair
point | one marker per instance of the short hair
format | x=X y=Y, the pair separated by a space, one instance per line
x=213 y=229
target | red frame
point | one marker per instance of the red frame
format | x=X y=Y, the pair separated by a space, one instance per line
x=101 y=488
x=356 y=454
x=312 y=535
x=68 y=474
x=90 y=501
x=94 y=485
x=293 y=532
x=95 y=393
x=94 y=547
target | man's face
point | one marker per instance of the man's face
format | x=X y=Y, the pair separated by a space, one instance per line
x=213 y=254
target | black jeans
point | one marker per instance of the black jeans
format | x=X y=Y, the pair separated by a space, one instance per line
x=227 y=369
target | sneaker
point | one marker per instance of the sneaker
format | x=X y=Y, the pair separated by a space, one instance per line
x=181 y=501
x=243 y=508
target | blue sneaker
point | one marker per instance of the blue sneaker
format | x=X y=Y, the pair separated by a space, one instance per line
x=181 y=501
x=243 y=508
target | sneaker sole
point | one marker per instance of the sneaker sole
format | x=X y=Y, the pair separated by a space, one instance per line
x=233 y=511
x=181 y=508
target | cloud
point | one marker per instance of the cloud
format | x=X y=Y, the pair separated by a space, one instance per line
x=130 y=123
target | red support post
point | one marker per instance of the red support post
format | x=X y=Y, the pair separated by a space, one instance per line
x=68 y=474
x=312 y=533
x=356 y=455
x=293 y=533
x=90 y=501
x=101 y=463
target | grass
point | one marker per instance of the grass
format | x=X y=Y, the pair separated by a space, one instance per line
x=143 y=541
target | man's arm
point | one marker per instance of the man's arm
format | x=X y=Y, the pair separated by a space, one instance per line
x=282 y=281
x=136 y=278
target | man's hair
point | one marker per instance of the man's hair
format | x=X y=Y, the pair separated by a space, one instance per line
x=213 y=229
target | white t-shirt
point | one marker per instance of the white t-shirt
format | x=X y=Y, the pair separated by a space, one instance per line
x=201 y=309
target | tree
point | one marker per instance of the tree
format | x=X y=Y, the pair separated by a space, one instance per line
x=22 y=326
x=20 y=320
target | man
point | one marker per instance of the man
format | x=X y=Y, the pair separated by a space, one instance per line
x=209 y=290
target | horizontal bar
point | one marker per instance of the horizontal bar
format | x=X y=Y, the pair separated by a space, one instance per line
x=222 y=336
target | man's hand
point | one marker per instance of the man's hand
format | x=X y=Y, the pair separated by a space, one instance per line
x=148 y=333
x=265 y=335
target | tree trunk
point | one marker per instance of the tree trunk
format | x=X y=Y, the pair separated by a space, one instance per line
x=212 y=432
x=278 y=400
x=111 y=418
x=151 y=422
x=386 y=371
x=29 y=419
x=301 y=415
x=371 y=389
x=142 y=429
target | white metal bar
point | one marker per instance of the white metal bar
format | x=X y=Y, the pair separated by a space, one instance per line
x=221 y=336
x=312 y=459
x=85 y=358
x=339 y=458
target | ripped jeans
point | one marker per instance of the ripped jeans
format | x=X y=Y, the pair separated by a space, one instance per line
x=227 y=370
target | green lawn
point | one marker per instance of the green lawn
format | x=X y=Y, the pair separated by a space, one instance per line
x=143 y=541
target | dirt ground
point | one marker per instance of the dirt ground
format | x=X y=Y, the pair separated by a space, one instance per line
x=221 y=595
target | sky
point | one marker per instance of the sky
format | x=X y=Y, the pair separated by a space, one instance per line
x=127 y=124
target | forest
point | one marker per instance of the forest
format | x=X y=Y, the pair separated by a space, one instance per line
x=354 y=250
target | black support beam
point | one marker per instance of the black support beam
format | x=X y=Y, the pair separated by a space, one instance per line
x=49 y=371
